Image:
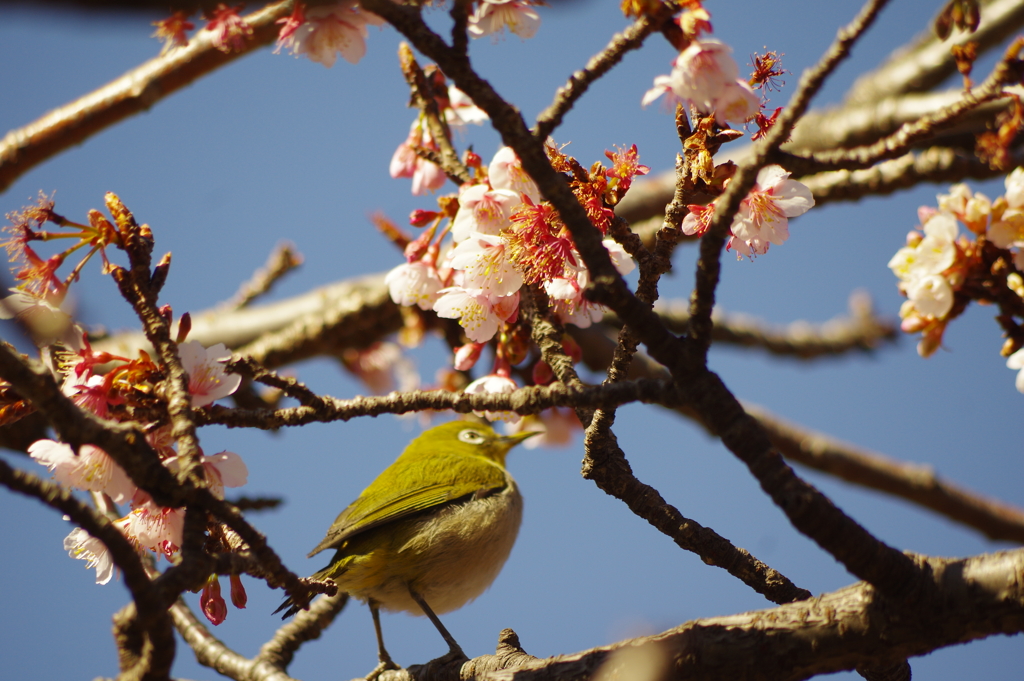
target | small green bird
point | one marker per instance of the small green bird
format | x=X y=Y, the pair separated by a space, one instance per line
x=431 y=532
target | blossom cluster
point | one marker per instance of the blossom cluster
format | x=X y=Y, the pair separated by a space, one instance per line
x=323 y=32
x=115 y=395
x=110 y=386
x=505 y=236
x=939 y=269
x=763 y=217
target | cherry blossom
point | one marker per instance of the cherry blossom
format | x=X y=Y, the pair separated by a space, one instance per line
x=494 y=383
x=484 y=210
x=328 y=31
x=172 y=30
x=381 y=366
x=81 y=545
x=91 y=469
x=207 y=379
x=506 y=172
x=931 y=295
x=702 y=71
x=662 y=86
x=1007 y=231
x=763 y=217
x=461 y=109
x=704 y=75
x=44 y=315
x=225 y=469
x=478 y=314
x=88 y=392
x=738 y=102
x=486 y=267
x=230 y=31
x=153 y=527
x=426 y=176
x=493 y=16
x=933 y=254
x=414 y=283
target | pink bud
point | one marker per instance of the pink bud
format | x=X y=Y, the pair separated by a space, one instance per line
x=212 y=603
x=238 y=596
x=422 y=218
x=467 y=355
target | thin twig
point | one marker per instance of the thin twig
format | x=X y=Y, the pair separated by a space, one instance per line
x=598 y=65
x=1008 y=71
x=282 y=260
x=134 y=92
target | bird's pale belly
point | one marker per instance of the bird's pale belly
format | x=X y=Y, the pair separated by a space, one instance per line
x=449 y=558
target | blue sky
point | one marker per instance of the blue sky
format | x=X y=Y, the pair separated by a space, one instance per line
x=274 y=148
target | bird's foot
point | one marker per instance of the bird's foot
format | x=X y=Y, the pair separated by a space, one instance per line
x=382 y=666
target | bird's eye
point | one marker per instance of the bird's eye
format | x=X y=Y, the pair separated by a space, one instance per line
x=473 y=437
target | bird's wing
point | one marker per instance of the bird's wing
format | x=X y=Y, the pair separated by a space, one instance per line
x=392 y=499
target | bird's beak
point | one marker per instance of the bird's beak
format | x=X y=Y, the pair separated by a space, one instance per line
x=513 y=440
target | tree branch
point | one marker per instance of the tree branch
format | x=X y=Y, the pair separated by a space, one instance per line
x=134 y=92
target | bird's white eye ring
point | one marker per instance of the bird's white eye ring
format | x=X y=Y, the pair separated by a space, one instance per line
x=470 y=436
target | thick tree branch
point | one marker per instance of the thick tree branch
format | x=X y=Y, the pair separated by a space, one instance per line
x=927 y=62
x=974 y=598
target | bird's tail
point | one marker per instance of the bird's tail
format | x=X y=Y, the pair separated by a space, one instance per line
x=291 y=605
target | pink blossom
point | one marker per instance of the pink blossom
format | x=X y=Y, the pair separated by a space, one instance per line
x=484 y=210
x=493 y=16
x=506 y=172
x=702 y=71
x=426 y=176
x=704 y=75
x=493 y=383
x=566 y=293
x=157 y=528
x=764 y=214
x=225 y=469
x=462 y=109
x=380 y=366
x=737 y=102
x=332 y=30
x=478 y=314
x=207 y=379
x=698 y=220
x=230 y=31
x=486 y=267
x=162 y=441
x=556 y=427
x=662 y=86
x=414 y=283
x=44 y=316
x=83 y=546
x=88 y=392
x=91 y=469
